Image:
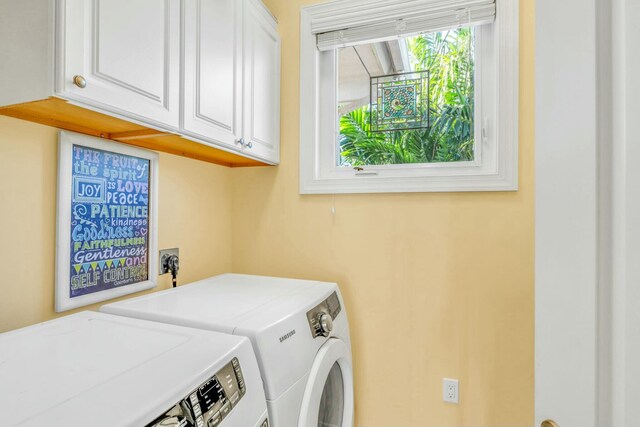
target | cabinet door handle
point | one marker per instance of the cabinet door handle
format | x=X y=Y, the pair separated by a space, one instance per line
x=249 y=144
x=549 y=423
x=79 y=81
x=241 y=142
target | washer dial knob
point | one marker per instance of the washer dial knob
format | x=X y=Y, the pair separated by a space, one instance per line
x=326 y=324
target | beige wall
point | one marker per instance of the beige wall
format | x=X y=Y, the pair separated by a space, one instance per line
x=194 y=215
x=436 y=285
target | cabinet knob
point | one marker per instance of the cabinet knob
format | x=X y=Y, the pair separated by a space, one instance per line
x=249 y=144
x=241 y=142
x=79 y=81
x=549 y=423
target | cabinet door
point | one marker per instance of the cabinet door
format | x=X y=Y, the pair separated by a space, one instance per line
x=213 y=70
x=127 y=52
x=261 y=83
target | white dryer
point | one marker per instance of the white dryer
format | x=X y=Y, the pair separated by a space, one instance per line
x=98 y=370
x=299 y=331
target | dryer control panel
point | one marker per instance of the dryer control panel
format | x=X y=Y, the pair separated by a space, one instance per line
x=321 y=316
x=210 y=403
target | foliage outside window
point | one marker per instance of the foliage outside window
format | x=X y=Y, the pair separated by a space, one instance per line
x=448 y=57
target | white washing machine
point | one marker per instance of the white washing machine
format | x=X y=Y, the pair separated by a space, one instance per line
x=299 y=331
x=99 y=370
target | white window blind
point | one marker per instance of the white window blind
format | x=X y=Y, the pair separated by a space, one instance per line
x=379 y=20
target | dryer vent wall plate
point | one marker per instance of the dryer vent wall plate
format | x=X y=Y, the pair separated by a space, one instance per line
x=164 y=255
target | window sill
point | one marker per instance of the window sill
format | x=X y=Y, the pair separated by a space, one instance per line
x=404 y=184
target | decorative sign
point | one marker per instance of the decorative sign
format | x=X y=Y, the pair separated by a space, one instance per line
x=400 y=101
x=109 y=220
x=106 y=220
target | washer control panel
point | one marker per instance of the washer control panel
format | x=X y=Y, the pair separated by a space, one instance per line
x=210 y=403
x=321 y=316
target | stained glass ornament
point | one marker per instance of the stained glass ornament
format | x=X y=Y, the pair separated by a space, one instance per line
x=400 y=101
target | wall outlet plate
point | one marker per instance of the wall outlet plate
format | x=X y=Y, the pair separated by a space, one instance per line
x=166 y=252
x=450 y=390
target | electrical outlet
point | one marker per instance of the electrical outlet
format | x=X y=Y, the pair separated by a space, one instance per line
x=166 y=253
x=449 y=390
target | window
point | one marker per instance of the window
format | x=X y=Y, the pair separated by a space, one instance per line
x=400 y=96
x=409 y=100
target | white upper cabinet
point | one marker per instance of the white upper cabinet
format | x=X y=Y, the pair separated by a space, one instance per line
x=213 y=70
x=232 y=76
x=122 y=56
x=206 y=71
x=261 y=82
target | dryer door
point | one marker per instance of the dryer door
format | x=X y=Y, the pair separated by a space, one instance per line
x=328 y=397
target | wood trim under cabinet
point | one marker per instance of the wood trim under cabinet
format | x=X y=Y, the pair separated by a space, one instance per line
x=59 y=113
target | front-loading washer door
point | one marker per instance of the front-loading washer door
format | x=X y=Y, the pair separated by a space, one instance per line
x=328 y=396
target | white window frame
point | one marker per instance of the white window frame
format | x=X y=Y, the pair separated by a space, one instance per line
x=495 y=164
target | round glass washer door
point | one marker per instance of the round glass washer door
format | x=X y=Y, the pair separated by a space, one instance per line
x=328 y=397
x=331 y=408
